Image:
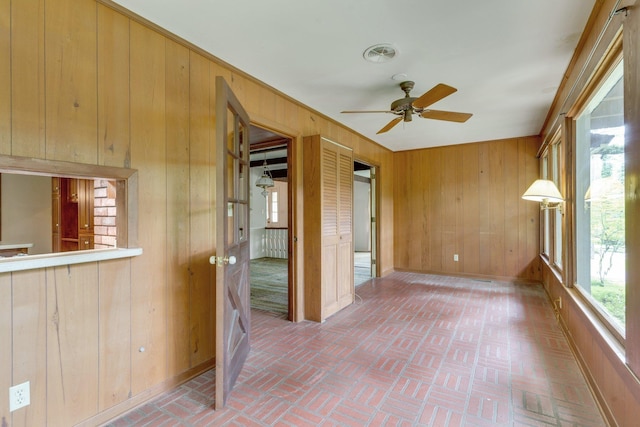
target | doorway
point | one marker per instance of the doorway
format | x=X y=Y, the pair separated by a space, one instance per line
x=270 y=222
x=364 y=222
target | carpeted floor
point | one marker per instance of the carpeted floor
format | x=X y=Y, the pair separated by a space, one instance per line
x=269 y=285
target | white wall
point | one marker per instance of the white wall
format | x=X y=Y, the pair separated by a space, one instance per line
x=257 y=217
x=281 y=188
x=26 y=211
x=361 y=216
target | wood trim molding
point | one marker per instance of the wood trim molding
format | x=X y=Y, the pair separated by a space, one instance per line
x=33 y=262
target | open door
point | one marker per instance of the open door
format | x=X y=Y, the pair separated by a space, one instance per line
x=374 y=220
x=232 y=240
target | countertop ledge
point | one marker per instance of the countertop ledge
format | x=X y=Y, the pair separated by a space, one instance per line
x=31 y=262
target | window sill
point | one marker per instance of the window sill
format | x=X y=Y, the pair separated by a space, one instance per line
x=553 y=268
x=31 y=262
x=611 y=339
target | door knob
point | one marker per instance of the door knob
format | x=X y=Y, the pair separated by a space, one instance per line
x=220 y=261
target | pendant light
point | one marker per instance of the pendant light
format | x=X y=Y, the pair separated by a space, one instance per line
x=265 y=181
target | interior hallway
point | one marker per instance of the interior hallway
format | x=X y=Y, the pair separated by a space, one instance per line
x=414 y=350
x=361 y=267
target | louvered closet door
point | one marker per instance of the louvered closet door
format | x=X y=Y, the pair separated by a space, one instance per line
x=337 y=253
x=345 y=287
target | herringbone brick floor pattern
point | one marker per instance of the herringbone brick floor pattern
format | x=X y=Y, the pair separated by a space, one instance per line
x=413 y=350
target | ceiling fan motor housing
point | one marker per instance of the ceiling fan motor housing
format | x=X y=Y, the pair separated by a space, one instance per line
x=404 y=106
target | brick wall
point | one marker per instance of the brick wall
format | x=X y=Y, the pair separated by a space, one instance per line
x=104 y=211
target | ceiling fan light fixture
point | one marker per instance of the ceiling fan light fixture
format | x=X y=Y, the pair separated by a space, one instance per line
x=379 y=53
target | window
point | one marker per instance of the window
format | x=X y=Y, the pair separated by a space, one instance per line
x=33 y=181
x=546 y=234
x=557 y=213
x=599 y=198
x=552 y=219
x=274 y=206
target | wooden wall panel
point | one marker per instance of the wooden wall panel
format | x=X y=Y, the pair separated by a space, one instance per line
x=238 y=85
x=411 y=244
x=512 y=199
x=27 y=64
x=148 y=155
x=495 y=199
x=286 y=113
x=419 y=218
x=114 y=332
x=178 y=230
x=433 y=185
x=114 y=147
x=5 y=77
x=71 y=99
x=470 y=249
x=72 y=343
x=267 y=102
x=465 y=200
x=402 y=197
x=448 y=207
x=528 y=237
x=30 y=342
x=201 y=189
x=6 y=356
x=386 y=228
x=484 y=214
x=311 y=233
x=459 y=199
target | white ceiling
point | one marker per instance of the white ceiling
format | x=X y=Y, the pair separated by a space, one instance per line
x=505 y=57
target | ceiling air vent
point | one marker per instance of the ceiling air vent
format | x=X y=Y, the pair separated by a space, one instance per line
x=380 y=53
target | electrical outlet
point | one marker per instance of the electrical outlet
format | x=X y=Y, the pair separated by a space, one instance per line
x=455 y=257
x=19 y=396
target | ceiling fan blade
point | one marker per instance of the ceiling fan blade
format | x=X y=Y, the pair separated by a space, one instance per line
x=389 y=125
x=450 y=116
x=367 y=111
x=436 y=93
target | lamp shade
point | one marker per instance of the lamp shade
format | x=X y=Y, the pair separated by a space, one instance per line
x=543 y=190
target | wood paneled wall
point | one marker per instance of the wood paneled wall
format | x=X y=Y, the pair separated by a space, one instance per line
x=466 y=200
x=91 y=83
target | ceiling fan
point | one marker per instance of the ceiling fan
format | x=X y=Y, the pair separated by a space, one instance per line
x=406 y=107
